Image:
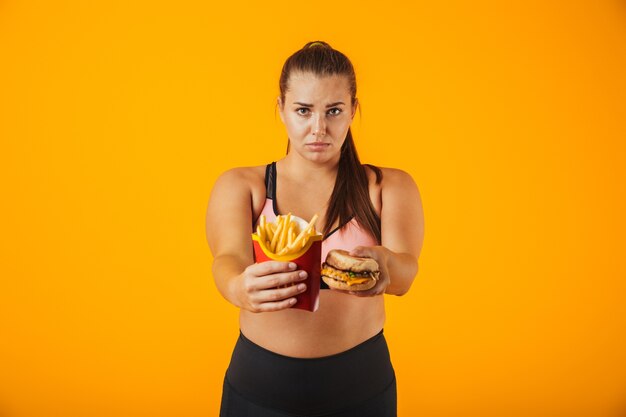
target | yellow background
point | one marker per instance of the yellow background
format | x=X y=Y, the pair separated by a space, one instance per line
x=116 y=118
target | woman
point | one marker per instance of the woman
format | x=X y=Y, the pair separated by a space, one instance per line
x=335 y=361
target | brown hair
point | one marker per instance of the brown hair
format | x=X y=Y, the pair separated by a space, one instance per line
x=350 y=196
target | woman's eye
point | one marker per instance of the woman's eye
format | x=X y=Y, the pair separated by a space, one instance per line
x=303 y=110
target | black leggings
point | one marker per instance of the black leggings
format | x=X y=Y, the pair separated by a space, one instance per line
x=359 y=382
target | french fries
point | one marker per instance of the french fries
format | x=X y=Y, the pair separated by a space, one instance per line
x=283 y=236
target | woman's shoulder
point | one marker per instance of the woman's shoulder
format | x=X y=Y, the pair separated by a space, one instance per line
x=242 y=174
x=249 y=177
x=386 y=176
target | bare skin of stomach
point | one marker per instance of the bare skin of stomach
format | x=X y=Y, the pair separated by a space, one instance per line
x=341 y=322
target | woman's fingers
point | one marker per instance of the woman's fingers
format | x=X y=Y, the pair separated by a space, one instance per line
x=359 y=251
x=276 y=280
x=272 y=286
x=271 y=267
x=278 y=294
x=275 y=306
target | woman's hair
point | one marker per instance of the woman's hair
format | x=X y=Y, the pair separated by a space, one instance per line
x=350 y=195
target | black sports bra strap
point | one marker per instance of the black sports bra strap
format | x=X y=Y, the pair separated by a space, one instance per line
x=270 y=175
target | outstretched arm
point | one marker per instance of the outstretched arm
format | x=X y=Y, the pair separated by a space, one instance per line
x=402 y=235
x=247 y=285
x=228 y=229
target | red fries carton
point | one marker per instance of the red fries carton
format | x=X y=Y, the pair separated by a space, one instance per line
x=307 y=258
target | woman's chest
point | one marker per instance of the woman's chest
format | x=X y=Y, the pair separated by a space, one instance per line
x=303 y=201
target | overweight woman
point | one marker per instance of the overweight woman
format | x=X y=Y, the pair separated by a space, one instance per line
x=334 y=361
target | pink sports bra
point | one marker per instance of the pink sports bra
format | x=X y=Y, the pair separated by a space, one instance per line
x=346 y=236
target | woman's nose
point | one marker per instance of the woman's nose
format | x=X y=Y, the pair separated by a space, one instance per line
x=319 y=126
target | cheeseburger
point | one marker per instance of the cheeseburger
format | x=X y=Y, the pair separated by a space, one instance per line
x=344 y=272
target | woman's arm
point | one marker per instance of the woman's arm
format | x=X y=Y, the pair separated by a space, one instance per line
x=228 y=230
x=402 y=235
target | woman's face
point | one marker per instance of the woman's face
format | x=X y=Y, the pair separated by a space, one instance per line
x=317 y=114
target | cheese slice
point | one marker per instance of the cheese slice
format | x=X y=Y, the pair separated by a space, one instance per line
x=343 y=276
x=354 y=281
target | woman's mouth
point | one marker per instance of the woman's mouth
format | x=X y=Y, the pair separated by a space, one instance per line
x=318 y=146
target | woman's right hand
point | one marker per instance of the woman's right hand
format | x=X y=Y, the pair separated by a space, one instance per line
x=257 y=286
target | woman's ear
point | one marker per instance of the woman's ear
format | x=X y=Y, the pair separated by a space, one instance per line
x=356 y=103
x=280 y=108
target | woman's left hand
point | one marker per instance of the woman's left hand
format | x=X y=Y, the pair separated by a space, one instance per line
x=380 y=254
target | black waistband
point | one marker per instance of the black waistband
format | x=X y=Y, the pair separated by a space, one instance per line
x=310 y=386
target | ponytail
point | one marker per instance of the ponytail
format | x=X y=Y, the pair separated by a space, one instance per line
x=350 y=196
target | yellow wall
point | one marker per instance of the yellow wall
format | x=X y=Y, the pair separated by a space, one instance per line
x=117 y=117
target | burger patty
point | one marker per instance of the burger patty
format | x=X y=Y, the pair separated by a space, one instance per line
x=348 y=276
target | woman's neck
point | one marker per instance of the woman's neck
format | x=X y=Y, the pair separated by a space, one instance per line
x=303 y=170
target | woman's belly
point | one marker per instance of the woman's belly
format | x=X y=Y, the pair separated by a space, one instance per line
x=341 y=322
